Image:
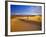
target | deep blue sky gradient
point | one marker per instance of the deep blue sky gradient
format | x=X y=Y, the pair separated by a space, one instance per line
x=25 y=10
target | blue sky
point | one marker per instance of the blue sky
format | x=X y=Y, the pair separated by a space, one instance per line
x=25 y=10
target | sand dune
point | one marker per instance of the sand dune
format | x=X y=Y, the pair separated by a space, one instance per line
x=19 y=23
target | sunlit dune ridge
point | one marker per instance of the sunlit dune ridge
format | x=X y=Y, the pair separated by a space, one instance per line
x=33 y=18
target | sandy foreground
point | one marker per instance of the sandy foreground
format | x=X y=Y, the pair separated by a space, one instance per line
x=25 y=24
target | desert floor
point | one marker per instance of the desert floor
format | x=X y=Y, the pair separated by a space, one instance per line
x=18 y=24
